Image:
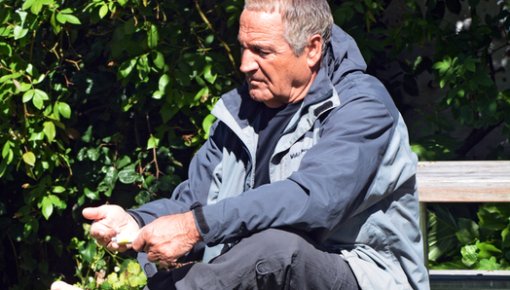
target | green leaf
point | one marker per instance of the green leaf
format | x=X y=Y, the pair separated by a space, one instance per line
x=22 y=16
x=57 y=27
x=441 y=234
x=494 y=217
x=128 y=175
x=6 y=148
x=35 y=5
x=29 y=158
x=27 y=96
x=27 y=4
x=66 y=16
x=64 y=110
x=93 y=154
x=123 y=162
x=103 y=11
x=157 y=95
x=56 y=201
x=19 y=32
x=49 y=130
x=46 y=207
x=159 y=60
x=153 y=142
x=207 y=123
x=93 y=195
x=153 y=37
x=58 y=189
x=38 y=97
x=505 y=237
x=469 y=255
x=487 y=250
x=444 y=65
x=126 y=67
x=467 y=232
x=490 y=264
x=163 y=82
x=8 y=77
x=204 y=92
x=208 y=76
x=5 y=49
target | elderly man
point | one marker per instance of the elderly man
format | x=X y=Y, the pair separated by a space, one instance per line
x=307 y=180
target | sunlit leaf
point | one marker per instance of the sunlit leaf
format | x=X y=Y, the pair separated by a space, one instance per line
x=163 y=82
x=207 y=123
x=66 y=16
x=153 y=142
x=159 y=60
x=126 y=67
x=29 y=158
x=58 y=189
x=153 y=36
x=19 y=32
x=64 y=110
x=46 y=207
x=469 y=255
x=490 y=264
x=39 y=98
x=103 y=11
x=49 y=130
x=128 y=175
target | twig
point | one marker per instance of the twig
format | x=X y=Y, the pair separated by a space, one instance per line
x=154 y=151
x=222 y=42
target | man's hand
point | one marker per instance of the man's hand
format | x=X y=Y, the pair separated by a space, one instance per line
x=61 y=285
x=110 y=221
x=168 y=238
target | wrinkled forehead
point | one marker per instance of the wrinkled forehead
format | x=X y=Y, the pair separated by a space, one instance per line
x=260 y=25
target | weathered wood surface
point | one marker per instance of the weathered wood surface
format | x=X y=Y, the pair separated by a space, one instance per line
x=464 y=181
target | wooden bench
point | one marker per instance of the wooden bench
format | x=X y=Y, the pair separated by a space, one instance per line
x=462 y=182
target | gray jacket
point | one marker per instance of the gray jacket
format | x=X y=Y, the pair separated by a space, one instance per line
x=343 y=171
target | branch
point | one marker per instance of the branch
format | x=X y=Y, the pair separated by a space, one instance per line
x=474 y=138
x=222 y=42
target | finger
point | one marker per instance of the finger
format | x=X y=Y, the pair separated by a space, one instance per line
x=153 y=256
x=112 y=247
x=60 y=285
x=102 y=233
x=94 y=213
x=116 y=247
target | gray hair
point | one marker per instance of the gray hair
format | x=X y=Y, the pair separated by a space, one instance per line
x=301 y=19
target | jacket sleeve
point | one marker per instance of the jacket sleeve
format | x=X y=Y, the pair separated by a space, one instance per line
x=332 y=179
x=192 y=192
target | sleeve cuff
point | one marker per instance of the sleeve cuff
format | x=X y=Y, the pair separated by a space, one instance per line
x=136 y=217
x=198 y=212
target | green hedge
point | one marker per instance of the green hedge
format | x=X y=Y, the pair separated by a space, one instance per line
x=106 y=101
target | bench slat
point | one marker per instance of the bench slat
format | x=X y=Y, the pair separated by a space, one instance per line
x=464 y=181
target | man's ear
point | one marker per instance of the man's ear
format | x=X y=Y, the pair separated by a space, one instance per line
x=314 y=50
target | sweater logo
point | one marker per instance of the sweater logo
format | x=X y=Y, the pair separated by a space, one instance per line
x=297 y=153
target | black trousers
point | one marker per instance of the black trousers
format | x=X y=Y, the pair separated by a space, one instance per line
x=271 y=259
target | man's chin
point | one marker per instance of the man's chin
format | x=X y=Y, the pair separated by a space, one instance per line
x=256 y=96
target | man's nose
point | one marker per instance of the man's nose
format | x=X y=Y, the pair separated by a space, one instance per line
x=248 y=62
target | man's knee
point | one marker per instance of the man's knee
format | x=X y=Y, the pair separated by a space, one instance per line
x=273 y=243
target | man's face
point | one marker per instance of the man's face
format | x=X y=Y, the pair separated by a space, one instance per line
x=275 y=75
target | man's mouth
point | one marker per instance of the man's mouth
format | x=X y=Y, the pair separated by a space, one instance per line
x=253 y=82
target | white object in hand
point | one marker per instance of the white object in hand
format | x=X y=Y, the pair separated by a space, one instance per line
x=124 y=238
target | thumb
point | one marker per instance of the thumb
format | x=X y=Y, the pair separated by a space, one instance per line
x=139 y=242
x=94 y=213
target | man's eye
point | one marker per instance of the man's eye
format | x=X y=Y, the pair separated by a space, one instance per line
x=260 y=51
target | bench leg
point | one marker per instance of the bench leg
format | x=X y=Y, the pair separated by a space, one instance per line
x=423 y=227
